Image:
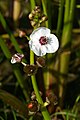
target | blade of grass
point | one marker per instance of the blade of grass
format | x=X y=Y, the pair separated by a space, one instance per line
x=14 y=102
x=13 y=40
x=1 y=118
x=67 y=116
x=15 y=68
x=44 y=4
x=72 y=115
x=49 y=13
x=5 y=114
x=60 y=17
x=14 y=115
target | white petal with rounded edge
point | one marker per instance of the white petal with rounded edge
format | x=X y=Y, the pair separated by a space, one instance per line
x=13 y=60
x=41 y=31
x=37 y=48
x=53 y=44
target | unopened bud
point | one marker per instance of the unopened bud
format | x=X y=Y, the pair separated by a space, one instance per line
x=30 y=69
x=30 y=16
x=22 y=33
x=44 y=18
x=17 y=58
x=33 y=12
x=40 y=62
x=38 y=11
x=33 y=107
x=33 y=23
x=51 y=97
x=33 y=95
x=37 y=7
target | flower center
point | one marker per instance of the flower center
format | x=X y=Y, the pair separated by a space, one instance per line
x=43 y=40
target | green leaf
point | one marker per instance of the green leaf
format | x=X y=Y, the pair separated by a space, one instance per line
x=14 y=102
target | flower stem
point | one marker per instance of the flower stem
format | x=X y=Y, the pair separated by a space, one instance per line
x=60 y=17
x=27 y=37
x=32 y=2
x=66 y=39
x=45 y=10
x=35 y=87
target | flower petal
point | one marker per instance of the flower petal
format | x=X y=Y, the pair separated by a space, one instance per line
x=37 y=48
x=53 y=44
x=17 y=58
x=41 y=31
x=13 y=60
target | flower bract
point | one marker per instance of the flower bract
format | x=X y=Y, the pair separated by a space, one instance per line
x=42 y=41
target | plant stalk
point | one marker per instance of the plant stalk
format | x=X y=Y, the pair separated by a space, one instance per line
x=66 y=39
x=35 y=87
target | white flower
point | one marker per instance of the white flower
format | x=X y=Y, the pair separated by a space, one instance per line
x=42 y=42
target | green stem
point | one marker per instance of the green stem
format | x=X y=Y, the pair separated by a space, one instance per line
x=46 y=74
x=35 y=87
x=49 y=13
x=60 y=17
x=45 y=10
x=32 y=2
x=67 y=10
x=66 y=39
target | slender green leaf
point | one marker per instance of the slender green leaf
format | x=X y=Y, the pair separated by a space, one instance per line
x=12 y=38
x=14 y=102
x=16 y=70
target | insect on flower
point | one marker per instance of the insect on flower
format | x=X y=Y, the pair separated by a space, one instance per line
x=42 y=42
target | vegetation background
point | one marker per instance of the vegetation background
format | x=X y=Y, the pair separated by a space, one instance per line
x=62 y=75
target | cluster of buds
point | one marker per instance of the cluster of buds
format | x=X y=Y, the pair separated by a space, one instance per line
x=34 y=107
x=33 y=95
x=52 y=101
x=28 y=69
x=37 y=17
x=21 y=33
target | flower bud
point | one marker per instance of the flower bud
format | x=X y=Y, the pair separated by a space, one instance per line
x=37 y=7
x=33 y=23
x=33 y=107
x=51 y=97
x=40 y=62
x=33 y=12
x=17 y=58
x=22 y=33
x=44 y=18
x=30 y=69
x=30 y=16
x=38 y=11
x=33 y=95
